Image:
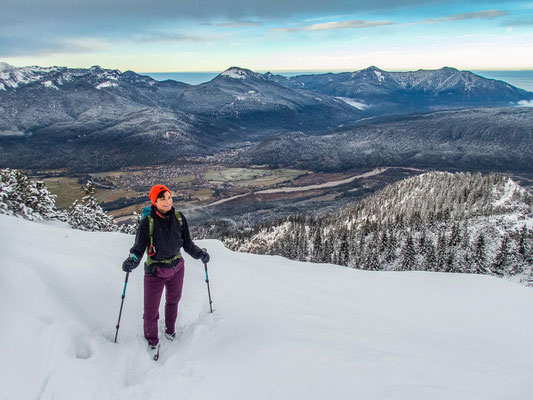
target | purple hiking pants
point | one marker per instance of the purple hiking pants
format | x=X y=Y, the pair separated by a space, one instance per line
x=172 y=279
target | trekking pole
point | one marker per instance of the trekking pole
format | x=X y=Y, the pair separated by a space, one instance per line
x=207 y=281
x=122 y=304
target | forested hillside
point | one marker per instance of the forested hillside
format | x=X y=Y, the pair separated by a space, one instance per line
x=433 y=222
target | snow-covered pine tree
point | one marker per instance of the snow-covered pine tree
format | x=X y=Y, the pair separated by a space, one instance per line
x=328 y=250
x=131 y=228
x=522 y=243
x=501 y=262
x=442 y=251
x=407 y=257
x=21 y=196
x=344 y=248
x=371 y=261
x=455 y=236
x=450 y=265
x=480 y=255
x=87 y=215
x=390 y=252
x=317 y=246
x=430 y=256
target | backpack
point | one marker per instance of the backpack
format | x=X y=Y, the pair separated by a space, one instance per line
x=150 y=250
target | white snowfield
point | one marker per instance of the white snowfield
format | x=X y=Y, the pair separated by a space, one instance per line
x=281 y=329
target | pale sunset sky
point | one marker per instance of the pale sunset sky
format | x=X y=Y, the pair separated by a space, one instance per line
x=300 y=35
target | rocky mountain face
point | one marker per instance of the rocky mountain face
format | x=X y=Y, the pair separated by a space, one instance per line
x=243 y=100
x=93 y=118
x=377 y=92
x=471 y=139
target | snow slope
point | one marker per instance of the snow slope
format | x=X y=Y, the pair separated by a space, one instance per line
x=281 y=329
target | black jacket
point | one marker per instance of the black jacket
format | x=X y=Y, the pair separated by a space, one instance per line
x=168 y=238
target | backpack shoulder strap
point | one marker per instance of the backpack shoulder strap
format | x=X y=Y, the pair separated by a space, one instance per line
x=178 y=217
x=151 y=229
x=151 y=232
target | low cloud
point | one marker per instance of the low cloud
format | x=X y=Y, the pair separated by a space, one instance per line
x=171 y=37
x=20 y=46
x=235 y=24
x=525 y=103
x=518 y=22
x=325 y=26
x=473 y=15
x=8 y=133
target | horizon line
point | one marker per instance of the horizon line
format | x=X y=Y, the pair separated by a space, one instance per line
x=332 y=70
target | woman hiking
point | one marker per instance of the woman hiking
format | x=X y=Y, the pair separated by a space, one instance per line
x=162 y=234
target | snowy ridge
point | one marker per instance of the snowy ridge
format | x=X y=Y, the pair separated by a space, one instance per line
x=506 y=196
x=106 y=84
x=267 y=238
x=443 y=79
x=281 y=329
x=52 y=77
x=241 y=73
x=410 y=91
x=50 y=85
x=13 y=77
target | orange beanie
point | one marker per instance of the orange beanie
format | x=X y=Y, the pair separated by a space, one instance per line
x=154 y=192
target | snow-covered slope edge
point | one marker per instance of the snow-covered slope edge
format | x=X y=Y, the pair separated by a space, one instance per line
x=281 y=329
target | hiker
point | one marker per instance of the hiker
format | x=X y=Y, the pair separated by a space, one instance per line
x=162 y=234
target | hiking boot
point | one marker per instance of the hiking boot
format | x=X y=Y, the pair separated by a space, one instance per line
x=170 y=336
x=153 y=350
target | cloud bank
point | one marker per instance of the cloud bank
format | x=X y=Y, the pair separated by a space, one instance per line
x=472 y=15
x=350 y=24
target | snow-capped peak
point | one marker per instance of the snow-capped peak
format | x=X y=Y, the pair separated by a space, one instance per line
x=372 y=73
x=5 y=67
x=240 y=73
x=13 y=77
x=51 y=77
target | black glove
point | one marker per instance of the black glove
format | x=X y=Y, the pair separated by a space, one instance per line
x=130 y=263
x=205 y=256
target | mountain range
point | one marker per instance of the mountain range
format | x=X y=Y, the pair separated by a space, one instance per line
x=98 y=119
x=380 y=92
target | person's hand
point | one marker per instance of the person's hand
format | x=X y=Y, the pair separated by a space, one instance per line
x=130 y=263
x=205 y=256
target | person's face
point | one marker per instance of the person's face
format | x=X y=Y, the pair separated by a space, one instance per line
x=164 y=204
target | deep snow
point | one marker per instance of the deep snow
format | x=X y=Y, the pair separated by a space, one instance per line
x=281 y=329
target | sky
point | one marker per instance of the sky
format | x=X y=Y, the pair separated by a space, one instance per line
x=274 y=35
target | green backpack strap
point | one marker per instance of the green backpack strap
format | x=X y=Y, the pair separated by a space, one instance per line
x=178 y=217
x=151 y=251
